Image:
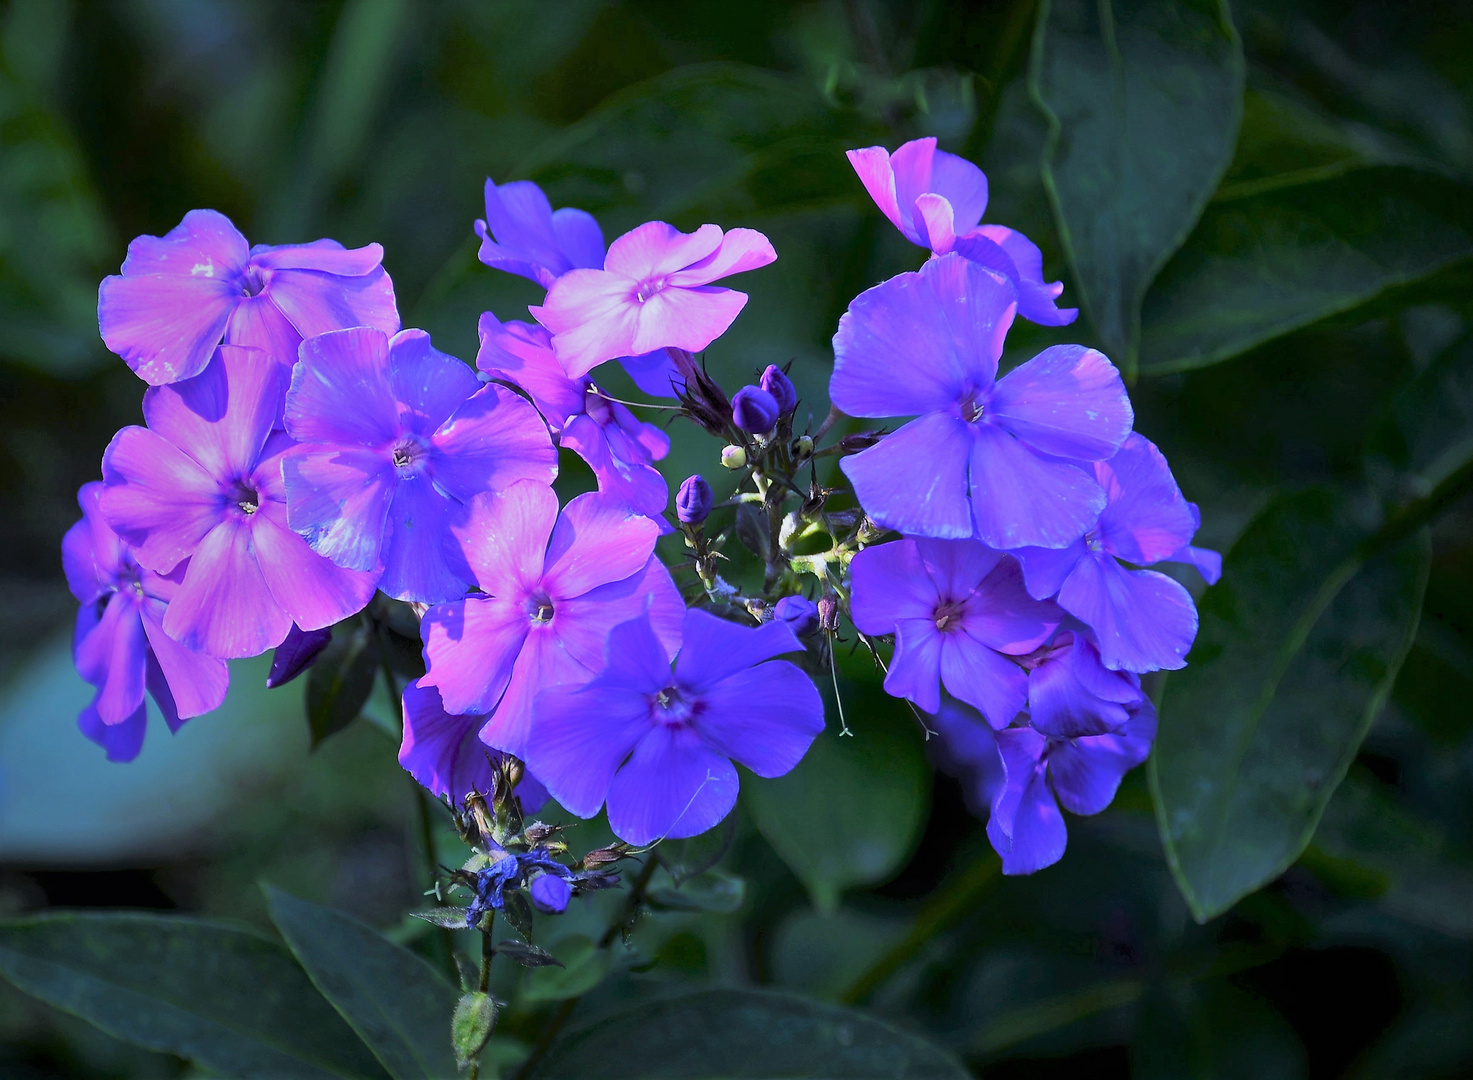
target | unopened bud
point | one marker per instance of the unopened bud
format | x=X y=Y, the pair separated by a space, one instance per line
x=603 y=856
x=755 y=410
x=776 y=382
x=693 y=501
x=733 y=457
x=803 y=447
x=799 y=612
x=550 y=894
x=860 y=440
x=828 y=614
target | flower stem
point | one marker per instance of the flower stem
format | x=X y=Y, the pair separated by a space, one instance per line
x=565 y=1009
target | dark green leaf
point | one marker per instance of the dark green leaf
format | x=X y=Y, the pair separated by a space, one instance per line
x=518 y=912
x=740 y=1034
x=342 y=679
x=687 y=858
x=1143 y=99
x=471 y=1026
x=1239 y=1033
x=583 y=966
x=711 y=891
x=527 y=955
x=852 y=811
x=1299 y=646
x=392 y=998
x=1264 y=265
x=1427 y=433
x=215 y=993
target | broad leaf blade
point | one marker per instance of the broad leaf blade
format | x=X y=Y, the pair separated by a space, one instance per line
x=394 y=1000
x=738 y=1034
x=341 y=680
x=1299 y=646
x=217 y=994
x=1143 y=99
x=1262 y=266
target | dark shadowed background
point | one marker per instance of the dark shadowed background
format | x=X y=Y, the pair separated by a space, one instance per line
x=1300 y=326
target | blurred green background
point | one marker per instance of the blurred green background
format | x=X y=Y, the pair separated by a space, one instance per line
x=1299 y=311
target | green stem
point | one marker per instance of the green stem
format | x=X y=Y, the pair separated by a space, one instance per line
x=566 y=1007
x=944 y=909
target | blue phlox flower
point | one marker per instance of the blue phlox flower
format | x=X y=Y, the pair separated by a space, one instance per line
x=396 y=438
x=1072 y=693
x=1140 y=619
x=961 y=619
x=523 y=235
x=998 y=459
x=657 y=745
x=1042 y=771
x=965 y=747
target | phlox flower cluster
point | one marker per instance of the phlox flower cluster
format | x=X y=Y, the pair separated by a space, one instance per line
x=301 y=451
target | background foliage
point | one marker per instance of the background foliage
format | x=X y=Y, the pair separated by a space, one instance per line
x=1263 y=209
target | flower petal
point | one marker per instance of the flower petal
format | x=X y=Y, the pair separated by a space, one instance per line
x=225 y=607
x=654 y=373
x=258 y=324
x=197 y=683
x=672 y=786
x=933 y=220
x=656 y=250
x=889 y=583
x=314 y=591
x=740 y=250
x=470 y=647
x=521 y=353
x=1044 y=569
x=504 y=537
x=956 y=567
x=112 y=657
x=614 y=459
x=91 y=553
x=338 y=500
x=966 y=748
x=1002 y=615
x=873 y=166
x=915 y=480
x=589 y=624
x=1060 y=705
x=416 y=566
x=1068 y=401
x=1141 y=620
x=1037 y=299
x=920 y=342
x=1146 y=519
x=579 y=238
x=1205 y=561
x=765 y=717
x=326 y=256
x=589 y=313
x=596 y=540
x=713 y=649
x=122 y=740
x=443 y=752
x=491 y=441
x=986 y=680
x=1086 y=772
x=318 y=303
x=915 y=669
x=340 y=390
x=581 y=735
x=427 y=383
x=222 y=416
x=168 y=310
x=543 y=664
x=1022 y=500
x=157 y=498
x=962 y=185
x=1026 y=828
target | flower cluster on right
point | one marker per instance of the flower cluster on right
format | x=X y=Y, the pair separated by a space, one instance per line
x=1029 y=512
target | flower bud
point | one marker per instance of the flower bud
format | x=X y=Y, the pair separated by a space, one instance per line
x=828 y=614
x=800 y=613
x=803 y=447
x=776 y=382
x=860 y=440
x=753 y=409
x=693 y=501
x=550 y=894
x=733 y=457
x=296 y=654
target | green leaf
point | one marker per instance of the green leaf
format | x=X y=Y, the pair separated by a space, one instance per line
x=527 y=955
x=449 y=918
x=712 y=891
x=1427 y=432
x=1143 y=100
x=852 y=811
x=736 y=1034
x=392 y=998
x=341 y=681
x=471 y=1026
x=1239 y=1033
x=1299 y=645
x=687 y=858
x=217 y=994
x=1262 y=266
x=584 y=967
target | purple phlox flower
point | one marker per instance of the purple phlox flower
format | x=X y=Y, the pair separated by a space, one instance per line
x=1141 y=619
x=994 y=458
x=799 y=612
x=694 y=500
x=937 y=199
x=120 y=645
x=658 y=745
x=965 y=747
x=654 y=292
x=396 y=438
x=776 y=382
x=960 y=616
x=203 y=482
x=553 y=586
x=754 y=410
x=522 y=234
x=445 y=753
x=1043 y=771
x=619 y=448
x=296 y=654
x=182 y=294
x=1072 y=693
